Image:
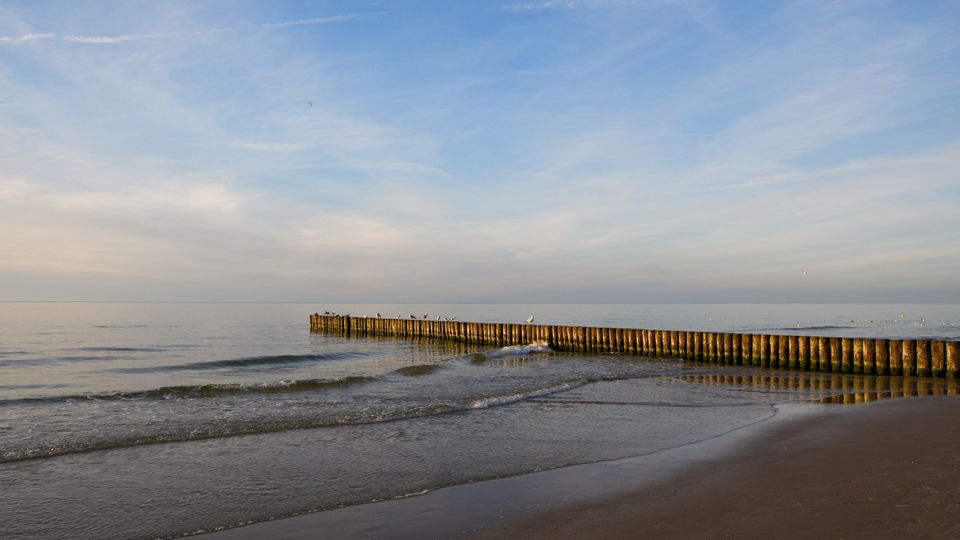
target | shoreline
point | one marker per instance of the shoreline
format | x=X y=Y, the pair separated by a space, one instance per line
x=888 y=469
x=880 y=469
x=466 y=509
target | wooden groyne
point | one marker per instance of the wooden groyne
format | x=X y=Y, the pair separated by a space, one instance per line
x=877 y=356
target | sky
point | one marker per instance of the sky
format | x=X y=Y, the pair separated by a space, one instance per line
x=538 y=151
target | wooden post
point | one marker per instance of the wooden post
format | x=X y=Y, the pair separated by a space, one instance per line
x=764 y=350
x=824 y=354
x=836 y=355
x=783 y=352
x=803 y=353
x=869 y=357
x=924 y=368
x=793 y=349
x=895 y=357
x=847 y=344
x=814 y=348
x=909 y=357
x=881 y=349
x=953 y=359
x=938 y=358
x=857 y=355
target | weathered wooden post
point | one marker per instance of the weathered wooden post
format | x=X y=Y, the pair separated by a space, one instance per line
x=869 y=357
x=823 y=354
x=836 y=355
x=847 y=344
x=923 y=357
x=764 y=350
x=783 y=352
x=938 y=358
x=881 y=348
x=895 y=357
x=857 y=355
x=953 y=359
x=793 y=350
x=909 y=357
x=746 y=349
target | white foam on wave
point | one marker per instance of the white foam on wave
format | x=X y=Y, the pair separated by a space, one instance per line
x=513 y=350
x=494 y=401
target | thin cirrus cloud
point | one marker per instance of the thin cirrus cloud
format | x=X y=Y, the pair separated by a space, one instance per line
x=683 y=153
x=548 y=5
x=123 y=38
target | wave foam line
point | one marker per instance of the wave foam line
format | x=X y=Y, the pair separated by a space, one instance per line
x=495 y=401
x=252 y=361
x=200 y=391
x=7 y=456
x=519 y=350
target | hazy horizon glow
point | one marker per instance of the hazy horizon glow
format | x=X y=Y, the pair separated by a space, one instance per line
x=504 y=151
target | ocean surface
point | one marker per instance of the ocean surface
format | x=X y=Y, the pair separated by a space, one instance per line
x=121 y=420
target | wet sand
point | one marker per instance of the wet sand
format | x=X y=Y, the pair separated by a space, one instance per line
x=889 y=469
x=881 y=470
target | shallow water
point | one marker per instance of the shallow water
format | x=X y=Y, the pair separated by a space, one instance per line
x=145 y=420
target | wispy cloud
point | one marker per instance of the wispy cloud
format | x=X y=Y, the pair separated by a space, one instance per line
x=628 y=161
x=26 y=37
x=274 y=147
x=123 y=38
x=550 y=5
x=109 y=40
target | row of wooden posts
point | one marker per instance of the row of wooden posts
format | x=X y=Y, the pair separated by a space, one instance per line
x=921 y=357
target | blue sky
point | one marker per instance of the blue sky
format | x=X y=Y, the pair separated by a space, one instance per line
x=487 y=151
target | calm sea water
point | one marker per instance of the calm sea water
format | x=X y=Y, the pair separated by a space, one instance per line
x=147 y=420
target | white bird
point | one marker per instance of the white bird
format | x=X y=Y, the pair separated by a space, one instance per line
x=425 y=315
x=530 y=320
x=438 y=317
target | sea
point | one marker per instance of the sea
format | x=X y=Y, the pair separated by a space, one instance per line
x=159 y=420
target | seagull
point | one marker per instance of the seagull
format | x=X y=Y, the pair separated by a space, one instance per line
x=378 y=315
x=438 y=317
x=412 y=316
x=530 y=320
x=326 y=312
x=425 y=315
x=310 y=103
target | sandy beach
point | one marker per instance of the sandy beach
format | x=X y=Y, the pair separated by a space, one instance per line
x=888 y=469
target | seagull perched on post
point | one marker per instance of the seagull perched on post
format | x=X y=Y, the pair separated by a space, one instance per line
x=530 y=320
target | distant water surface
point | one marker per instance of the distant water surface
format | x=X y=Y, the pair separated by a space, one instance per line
x=146 y=420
